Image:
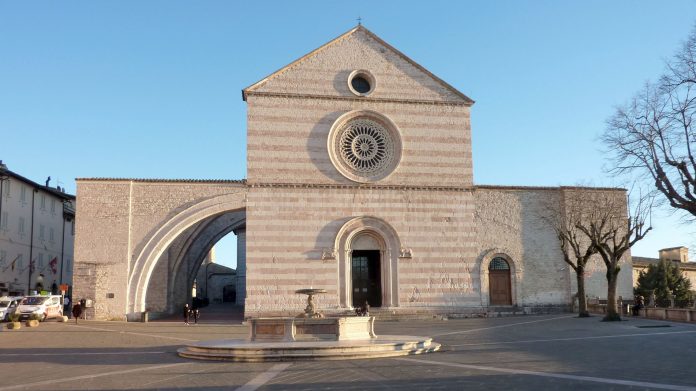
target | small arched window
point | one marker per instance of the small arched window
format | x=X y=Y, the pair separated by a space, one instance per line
x=499 y=263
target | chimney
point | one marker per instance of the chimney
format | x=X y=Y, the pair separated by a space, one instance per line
x=3 y=166
x=48 y=180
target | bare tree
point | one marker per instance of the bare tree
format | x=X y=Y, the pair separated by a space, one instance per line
x=653 y=134
x=576 y=247
x=613 y=233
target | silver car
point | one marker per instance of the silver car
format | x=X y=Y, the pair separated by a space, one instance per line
x=8 y=305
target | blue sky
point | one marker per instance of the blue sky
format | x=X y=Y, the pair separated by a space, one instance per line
x=152 y=89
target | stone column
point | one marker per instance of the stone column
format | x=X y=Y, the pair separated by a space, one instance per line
x=241 y=265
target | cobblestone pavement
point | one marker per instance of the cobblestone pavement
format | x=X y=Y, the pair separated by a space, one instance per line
x=520 y=353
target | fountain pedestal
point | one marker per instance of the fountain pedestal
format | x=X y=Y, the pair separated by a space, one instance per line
x=312 y=329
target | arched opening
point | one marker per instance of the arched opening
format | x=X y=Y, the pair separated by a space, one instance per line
x=500 y=289
x=192 y=270
x=375 y=247
x=216 y=278
x=168 y=260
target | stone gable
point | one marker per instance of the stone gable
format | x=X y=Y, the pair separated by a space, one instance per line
x=325 y=71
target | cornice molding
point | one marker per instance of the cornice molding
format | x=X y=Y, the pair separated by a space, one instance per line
x=358 y=186
x=357 y=99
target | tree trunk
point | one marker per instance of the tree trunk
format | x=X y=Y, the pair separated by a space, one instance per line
x=582 y=299
x=612 y=313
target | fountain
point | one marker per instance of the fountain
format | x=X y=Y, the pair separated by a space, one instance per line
x=309 y=336
x=310 y=311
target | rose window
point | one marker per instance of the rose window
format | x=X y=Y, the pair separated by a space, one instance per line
x=364 y=146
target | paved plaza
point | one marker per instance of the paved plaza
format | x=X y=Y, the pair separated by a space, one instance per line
x=525 y=353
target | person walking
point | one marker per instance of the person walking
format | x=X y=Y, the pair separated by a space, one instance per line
x=66 y=305
x=187 y=313
x=83 y=308
x=196 y=314
x=77 y=311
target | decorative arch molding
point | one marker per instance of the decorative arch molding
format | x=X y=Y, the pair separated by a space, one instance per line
x=158 y=241
x=516 y=271
x=390 y=249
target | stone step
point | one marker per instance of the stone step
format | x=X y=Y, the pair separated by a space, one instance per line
x=307 y=356
x=245 y=351
x=251 y=350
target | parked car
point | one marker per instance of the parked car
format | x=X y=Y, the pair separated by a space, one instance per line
x=49 y=306
x=8 y=305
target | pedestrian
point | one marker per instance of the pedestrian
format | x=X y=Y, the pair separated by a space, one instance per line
x=83 y=305
x=196 y=314
x=77 y=311
x=66 y=305
x=187 y=313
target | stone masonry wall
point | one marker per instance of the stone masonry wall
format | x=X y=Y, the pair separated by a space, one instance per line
x=102 y=247
x=325 y=73
x=288 y=228
x=290 y=116
x=115 y=218
x=508 y=221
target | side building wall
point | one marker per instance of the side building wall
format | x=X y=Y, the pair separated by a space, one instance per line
x=102 y=248
x=513 y=221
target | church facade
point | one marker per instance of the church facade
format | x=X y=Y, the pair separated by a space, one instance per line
x=360 y=182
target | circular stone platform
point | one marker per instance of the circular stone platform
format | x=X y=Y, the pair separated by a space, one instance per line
x=246 y=351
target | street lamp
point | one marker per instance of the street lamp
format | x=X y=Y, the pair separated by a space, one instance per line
x=3 y=178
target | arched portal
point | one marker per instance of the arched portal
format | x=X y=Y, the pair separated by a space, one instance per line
x=499 y=276
x=191 y=223
x=178 y=267
x=368 y=251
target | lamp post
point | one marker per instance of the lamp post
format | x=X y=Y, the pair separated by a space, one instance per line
x=31 y=240
x=3 y=177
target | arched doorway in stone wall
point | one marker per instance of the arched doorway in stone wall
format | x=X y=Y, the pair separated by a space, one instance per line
x=169 y=260
x=368 y=250
x=499 y=276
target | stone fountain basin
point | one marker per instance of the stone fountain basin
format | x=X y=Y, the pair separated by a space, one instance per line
x=308 y=329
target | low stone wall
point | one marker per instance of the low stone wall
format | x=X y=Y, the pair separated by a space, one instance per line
x=675 y=314
x=597 y=308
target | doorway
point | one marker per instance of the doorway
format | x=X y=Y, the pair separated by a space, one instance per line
x=366 y=278
x=499 y=282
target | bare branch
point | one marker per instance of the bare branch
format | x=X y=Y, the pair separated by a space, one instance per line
x=653 y=134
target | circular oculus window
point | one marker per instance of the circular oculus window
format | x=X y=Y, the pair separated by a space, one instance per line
x=361 y=82
x=364 y=146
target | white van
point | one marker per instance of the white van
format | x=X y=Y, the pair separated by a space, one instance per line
x=8 y=305
x=44 y=306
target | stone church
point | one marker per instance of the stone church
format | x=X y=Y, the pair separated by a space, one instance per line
x=359 y=181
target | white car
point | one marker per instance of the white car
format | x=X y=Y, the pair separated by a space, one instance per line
x=8 y=305
x=44 y=306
